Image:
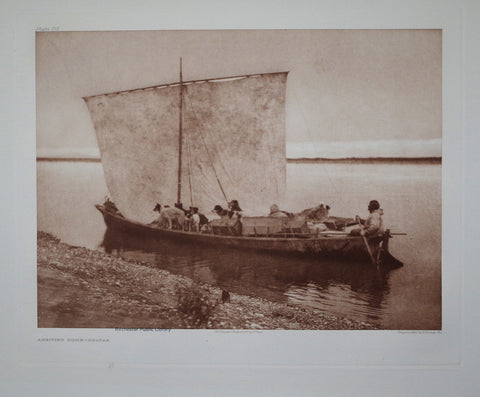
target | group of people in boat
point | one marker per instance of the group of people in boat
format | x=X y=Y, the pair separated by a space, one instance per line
x=179 y=218
x=232 y=212
x=191 y=219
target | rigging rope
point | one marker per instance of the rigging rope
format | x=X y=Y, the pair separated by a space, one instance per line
x=206 y=147
x=189 y=164
x=220 y=161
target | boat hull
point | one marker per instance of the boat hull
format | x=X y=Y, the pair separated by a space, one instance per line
x=331 y=246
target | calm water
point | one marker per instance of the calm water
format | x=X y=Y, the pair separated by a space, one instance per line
x=410 y=194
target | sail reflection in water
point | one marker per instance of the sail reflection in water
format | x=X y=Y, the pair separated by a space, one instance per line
x=345 y=288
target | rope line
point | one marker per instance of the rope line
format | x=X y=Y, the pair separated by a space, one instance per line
x=189 y=166
x=206 y=148
x=220 y=154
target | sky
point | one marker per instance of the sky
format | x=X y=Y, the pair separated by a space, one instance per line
x=346 y=89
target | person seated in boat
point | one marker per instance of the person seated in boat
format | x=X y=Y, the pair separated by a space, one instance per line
x=218 y=210
x=229 y=222
x=235 y=214
x=203 y=218
x=187 y=225
x=234 y=209
x=195 y=219
x=189 y=220
x=373 y=225
x=276 y=213
x=172 y=218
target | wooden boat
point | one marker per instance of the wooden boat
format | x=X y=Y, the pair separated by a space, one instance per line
x=206 y=142
x=327 y=244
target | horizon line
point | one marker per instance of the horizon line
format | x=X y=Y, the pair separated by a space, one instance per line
x=424 y=159
x=435 y=159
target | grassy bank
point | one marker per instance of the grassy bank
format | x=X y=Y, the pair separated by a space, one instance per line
x=82 y=288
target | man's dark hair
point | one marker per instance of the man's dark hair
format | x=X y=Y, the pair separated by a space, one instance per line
x=373 y=205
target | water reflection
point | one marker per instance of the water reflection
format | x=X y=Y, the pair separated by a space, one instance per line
x=355 y=290
x=411 y=195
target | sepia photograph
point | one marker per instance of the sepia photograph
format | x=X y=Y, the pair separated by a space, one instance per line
x=239 y=179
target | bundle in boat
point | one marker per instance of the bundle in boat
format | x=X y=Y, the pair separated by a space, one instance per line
x=259 y=226
x=269 y=226
x=226 y=227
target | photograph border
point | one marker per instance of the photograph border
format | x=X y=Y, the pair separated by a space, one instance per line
x=302 y=353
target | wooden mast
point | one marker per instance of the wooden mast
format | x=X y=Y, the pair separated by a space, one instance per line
x=180 y=139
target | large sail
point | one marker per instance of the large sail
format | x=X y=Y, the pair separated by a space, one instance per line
x=233 y=144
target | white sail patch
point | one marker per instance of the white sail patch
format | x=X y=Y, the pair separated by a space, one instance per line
x=233 y=140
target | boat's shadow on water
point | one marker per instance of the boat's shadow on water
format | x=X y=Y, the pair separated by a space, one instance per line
x=268 y=275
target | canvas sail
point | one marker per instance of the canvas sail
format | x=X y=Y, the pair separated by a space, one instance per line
x=233 y=135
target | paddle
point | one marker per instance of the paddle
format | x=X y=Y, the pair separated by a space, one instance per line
x=340 y=233
x=366 y=242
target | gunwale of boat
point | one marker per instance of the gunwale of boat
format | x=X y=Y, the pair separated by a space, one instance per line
x=314 y=236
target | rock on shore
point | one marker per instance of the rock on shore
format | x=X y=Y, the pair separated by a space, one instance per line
x=82 y=288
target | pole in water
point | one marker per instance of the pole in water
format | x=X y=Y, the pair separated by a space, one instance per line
x=367 y=246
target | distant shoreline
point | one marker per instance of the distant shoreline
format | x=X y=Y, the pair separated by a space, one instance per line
x=303 y=160
x=366 y=160
x=71 y=159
